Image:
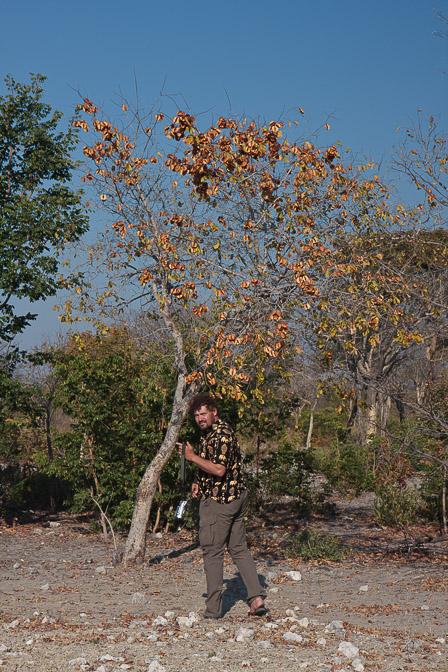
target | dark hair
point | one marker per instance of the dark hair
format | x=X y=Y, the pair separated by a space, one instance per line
x=203 y=399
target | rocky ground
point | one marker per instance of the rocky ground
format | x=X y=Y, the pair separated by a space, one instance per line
x=64 y=606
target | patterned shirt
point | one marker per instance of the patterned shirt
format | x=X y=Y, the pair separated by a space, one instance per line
x=219 y=445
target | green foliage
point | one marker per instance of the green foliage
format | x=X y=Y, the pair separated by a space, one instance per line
x=39 y=213
x=347 y=467
x=328 y=425
x=431 y=491
x=118 y=398
x=395 y=505
x=310 y=545
x=286 y=471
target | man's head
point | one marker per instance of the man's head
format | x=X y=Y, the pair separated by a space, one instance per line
x=204 y=410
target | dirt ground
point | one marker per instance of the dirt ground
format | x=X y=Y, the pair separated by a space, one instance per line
x=64 y=606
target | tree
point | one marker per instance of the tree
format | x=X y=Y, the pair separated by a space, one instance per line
x=225 y=236
x=115 y=394
x=39 y=212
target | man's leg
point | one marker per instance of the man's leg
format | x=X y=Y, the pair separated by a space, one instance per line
x=214 y=526
x=241 y=556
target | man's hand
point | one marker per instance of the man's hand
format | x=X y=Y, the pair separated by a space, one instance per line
x=189 y=451
x=206 y=465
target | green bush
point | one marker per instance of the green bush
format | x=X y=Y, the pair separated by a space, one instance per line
x=431 y=493
x=395 y=505
x=347 y=467
x=286 y=471
x=310 y=545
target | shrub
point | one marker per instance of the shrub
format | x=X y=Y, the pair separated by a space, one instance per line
x=310 y=545
x=286 y=471
x=395 y=505
x=347 y=467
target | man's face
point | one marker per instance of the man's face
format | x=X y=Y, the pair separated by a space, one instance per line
x=205 y=417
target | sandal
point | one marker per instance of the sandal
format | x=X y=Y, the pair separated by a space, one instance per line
x=259 y=611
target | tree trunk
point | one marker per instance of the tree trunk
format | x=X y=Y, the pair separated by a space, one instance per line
x=310 y=425
x=159 y=508
x=372 y=414
x=444 y=523
x=136 y=542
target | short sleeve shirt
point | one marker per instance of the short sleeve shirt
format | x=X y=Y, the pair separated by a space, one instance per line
x=220 y=445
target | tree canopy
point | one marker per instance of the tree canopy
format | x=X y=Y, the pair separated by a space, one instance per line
x=40 y=212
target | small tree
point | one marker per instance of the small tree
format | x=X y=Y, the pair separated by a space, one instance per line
x=226 y=236
x=117 y=396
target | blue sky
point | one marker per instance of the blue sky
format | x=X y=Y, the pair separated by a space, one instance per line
x=369 y=66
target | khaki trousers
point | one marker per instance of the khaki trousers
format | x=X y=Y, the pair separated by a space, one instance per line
x=221 y=526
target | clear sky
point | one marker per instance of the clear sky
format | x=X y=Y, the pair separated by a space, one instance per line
x=369 y=66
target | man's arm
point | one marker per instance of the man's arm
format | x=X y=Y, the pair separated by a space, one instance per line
x=206 y=465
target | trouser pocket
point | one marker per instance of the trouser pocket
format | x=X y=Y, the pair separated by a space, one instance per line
x=207 y=525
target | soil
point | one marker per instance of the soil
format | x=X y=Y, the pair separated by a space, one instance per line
x=65 y=606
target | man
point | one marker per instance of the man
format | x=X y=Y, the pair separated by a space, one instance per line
x=219 y=484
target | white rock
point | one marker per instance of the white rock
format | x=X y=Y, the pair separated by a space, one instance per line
x=294 y=576
x=160 y=620
x=139 y=598
x=424 y=607
x=363 y=589
x=78 y=661
x=357 y=665
x=155 y=666
x=264 y=643
x=3 y=648
x=16 y=565
x=169 y=614
x=188 y=621
x=348 y=649
x=46 y=586
x=441 y=640
x=55 y=524
x=12 y=625
x=245 y=663
x=292 y=637
x=159 y=535
x=334 y=625
x=244 y=635
x=304 y=622
x=275 y=589
x=101 y=668
x=321 y=641
x=100 y=570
